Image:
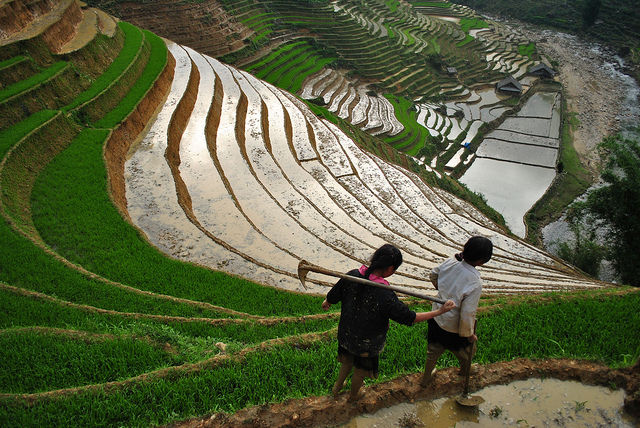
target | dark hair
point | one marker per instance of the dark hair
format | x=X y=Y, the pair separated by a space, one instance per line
x=385 y=256
x=477 y=249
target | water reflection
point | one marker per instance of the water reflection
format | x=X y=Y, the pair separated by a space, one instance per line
x=515 y=163
x=510 y=188
x=527 y=403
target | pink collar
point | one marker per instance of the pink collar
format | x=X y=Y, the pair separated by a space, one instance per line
x=372 y=277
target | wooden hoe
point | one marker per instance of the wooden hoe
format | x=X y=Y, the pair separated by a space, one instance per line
x=305 y=267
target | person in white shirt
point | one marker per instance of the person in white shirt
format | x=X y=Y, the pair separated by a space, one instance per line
x=457 y=279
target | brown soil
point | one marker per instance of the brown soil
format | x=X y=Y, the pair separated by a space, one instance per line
x=331 y=411
x=16 y=15
x=204 y=26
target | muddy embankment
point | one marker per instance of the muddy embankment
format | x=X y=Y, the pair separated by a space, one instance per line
x=125 y=134
x=330 y=411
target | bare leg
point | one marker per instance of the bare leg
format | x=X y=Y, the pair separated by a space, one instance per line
x=356 y=383
x=345 y=369
x=464 y=355
x=434 y=350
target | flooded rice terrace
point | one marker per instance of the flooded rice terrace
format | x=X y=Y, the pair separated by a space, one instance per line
x=515 y=164
x=253 y=182
x=526 y=403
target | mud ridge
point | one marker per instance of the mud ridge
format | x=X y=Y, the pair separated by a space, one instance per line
x=242 y=317
x=183 y=370
x=331 y=411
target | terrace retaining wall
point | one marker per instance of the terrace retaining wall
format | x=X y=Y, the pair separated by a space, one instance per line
x=125 y=134
x=63 y=30
x=17 y=14
x=205 y=27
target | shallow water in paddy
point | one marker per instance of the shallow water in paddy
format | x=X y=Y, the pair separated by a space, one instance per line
x=515 y=163
x=510 y=188
x=527 y=403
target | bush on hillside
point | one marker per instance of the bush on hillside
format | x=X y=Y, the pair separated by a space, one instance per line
x=614 y=206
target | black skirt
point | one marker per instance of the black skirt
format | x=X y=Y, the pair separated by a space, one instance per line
x=451 y=341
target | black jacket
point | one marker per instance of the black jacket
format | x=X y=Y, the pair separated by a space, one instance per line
x=365 y=314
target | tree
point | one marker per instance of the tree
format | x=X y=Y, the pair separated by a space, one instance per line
x=615 y=206
x=585 y=252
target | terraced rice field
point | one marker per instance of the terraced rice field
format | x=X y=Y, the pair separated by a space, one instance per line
x=155 y=205
x=521 y=154
x=257 y=183
x=423 y=29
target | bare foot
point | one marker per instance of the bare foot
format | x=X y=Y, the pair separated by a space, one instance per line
x=426 y=380
x=336 y=389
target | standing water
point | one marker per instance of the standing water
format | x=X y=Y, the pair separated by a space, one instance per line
x=515 y=164
x=526 y=403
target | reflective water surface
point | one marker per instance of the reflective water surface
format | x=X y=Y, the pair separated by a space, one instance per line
x=510 y=188
x=527 y=403
x=516 y=162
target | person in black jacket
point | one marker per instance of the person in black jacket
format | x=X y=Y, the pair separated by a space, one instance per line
x=364 y=318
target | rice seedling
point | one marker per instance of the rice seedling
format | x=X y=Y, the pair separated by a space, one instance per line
x=75 y=215
x=156 y=64
x=31 y=82
x=133 y=42
x=467 y=24
x=38 y=361
x=11 y=61
x=308 y=369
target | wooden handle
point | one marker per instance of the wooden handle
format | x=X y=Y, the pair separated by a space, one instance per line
x=304 y=267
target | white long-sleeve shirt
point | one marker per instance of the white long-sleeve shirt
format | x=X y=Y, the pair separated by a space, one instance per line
x=460 y=282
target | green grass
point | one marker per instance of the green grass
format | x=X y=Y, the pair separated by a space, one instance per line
x=32 y=82
x=156 y=64
x=273 y=56
x=414 y=136
x=10 y=136
x=74 y=214
x=9 y=62
x=26 y=266
x=468 y=39
x=21 y=311
x=296 y=83
x=527 y=50
x=284 y=61
x=444 y=5
x=472 y=23
x=528 y=329
x=133 y=42
x=57 y=362
x=392 y=5
x=289 y=65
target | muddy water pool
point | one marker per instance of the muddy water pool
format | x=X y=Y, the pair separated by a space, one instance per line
x=526 y=403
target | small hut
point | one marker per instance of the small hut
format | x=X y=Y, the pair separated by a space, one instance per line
x=452 y=71
x=509 y=85
x=542 y=70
